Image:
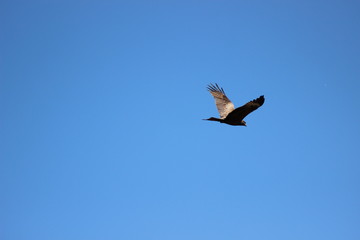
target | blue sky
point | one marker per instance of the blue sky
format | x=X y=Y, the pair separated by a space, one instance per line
x=101 y=132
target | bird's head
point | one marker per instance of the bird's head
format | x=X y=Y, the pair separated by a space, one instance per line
x=243 y=123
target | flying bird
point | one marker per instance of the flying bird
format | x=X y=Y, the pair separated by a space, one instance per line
x=226 y=109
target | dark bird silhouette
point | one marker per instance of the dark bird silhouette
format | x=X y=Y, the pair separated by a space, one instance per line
x=228 y=114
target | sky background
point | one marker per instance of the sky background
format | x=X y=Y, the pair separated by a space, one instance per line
x=101 y=134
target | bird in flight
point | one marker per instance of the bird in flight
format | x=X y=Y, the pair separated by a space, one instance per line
x=226 y=109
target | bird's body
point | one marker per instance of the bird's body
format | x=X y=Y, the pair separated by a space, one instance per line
x=226 y=109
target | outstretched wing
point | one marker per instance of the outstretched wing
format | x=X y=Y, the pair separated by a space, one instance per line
x=241 y=112
x=223 y=104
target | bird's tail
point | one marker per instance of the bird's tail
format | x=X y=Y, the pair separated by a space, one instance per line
x=213 y=119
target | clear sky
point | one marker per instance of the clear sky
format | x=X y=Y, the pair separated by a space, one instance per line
x=101 y=127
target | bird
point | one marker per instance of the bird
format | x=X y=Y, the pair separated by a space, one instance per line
x=226 y=109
